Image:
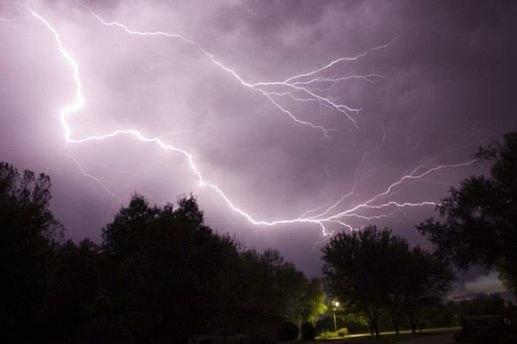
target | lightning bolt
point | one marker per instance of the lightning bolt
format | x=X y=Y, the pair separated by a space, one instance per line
x=302 y=84
x=294 y=85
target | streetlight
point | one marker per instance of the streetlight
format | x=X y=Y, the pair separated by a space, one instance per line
x=335 y=303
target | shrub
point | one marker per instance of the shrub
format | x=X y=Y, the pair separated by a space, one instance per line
x=342 y=332
x=308 y=331
x=288 y=332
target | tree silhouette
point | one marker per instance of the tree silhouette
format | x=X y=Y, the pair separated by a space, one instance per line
x=172 y=274
x=159 y=275
x=479 y=219
x=427 y=281
x=76 y=277
x=360 y=268
x=377 y=273
x=28 y=235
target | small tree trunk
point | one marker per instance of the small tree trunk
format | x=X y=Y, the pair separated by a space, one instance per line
x=371 y=323
x=376 y=327
x=413 y=325
x=396 y=326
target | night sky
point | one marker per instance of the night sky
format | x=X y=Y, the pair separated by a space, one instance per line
x=282 y=106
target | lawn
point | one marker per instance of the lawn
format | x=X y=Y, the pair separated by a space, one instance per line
x=388 y=336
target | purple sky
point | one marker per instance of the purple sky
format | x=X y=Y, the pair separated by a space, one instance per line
x=440 y=84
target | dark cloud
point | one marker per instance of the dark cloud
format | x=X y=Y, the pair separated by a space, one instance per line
x=447 y=88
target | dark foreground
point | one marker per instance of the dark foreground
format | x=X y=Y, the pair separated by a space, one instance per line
x=439 y=336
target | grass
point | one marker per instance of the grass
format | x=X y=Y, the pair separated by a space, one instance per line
x=386 y=337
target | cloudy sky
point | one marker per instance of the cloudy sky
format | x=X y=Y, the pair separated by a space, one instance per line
x=277 y=107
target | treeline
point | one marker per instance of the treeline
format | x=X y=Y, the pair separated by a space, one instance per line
x=159 y=274
x=377 y=275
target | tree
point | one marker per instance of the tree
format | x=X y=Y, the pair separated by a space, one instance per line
x=159 y=274
x=361 y=268
x=479 y=219
x=313 y=301
x=76 y=278
x=427 y=280
x=398 y=257
x=172 y=275
x=28 y=235
x=290 y=294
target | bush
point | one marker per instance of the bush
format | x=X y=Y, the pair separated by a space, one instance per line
x=288 y=332
x=308 y=331
x=342 y=332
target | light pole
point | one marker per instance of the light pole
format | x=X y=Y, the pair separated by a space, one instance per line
x=335 y=303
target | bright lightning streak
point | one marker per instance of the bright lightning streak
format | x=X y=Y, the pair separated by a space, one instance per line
x=92 y=177
x=327 y=215
x=339 y=60
x=217 y=63
x=293 y=83
x=79 y=102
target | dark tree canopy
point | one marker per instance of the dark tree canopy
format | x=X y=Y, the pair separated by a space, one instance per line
x=175 y=276
x=479 y=219
x=172 y=274
x=159 y=274
x=25 y=200
x=357 y=266
x=427 y=279
x=375 y=272
x=28 y=234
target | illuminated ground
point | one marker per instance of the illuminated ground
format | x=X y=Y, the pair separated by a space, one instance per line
x=443 y=335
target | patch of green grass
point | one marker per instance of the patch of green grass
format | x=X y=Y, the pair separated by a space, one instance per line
x=386 y=337
x=334 y=334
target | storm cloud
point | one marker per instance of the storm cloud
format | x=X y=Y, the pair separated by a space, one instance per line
x=443 y=86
